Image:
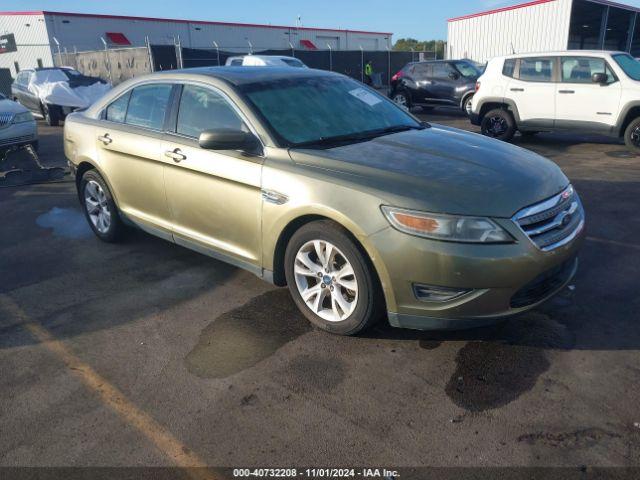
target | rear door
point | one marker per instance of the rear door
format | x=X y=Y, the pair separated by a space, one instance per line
x=29 y=98
x=129 y=143
x=533 y=89
x=418 y=82
x=579 y=101
x=214 y=196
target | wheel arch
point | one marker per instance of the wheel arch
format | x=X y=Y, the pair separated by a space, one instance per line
x=490 y=103
x=359 y=240
x=84 y=166
x=629 y=114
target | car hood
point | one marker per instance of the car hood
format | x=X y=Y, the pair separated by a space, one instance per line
x=442 y=169
x=9 y=106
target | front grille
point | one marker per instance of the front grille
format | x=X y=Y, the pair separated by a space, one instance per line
x=543 y=285
x=14 y=140
x=554 y=222
x=5 y=119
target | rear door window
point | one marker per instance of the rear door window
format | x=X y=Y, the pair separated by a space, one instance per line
x=147 y=106
x=203 y=109
x=422 y=70
x=538 y=69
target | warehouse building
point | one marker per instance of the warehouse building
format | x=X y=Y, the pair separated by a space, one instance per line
x=31 y=39
x=545 y=25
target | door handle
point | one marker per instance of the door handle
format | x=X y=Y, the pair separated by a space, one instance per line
x=176 y=155
x=106 y=139
x=566 y=91
x=517 y=89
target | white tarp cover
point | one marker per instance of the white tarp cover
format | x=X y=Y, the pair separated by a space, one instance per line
x=52 y=87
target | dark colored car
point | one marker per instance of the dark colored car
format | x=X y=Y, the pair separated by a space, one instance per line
x=22 y=90
x=438 y=83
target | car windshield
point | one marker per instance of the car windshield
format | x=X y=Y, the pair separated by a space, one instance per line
x=629 y=65
x=70 y=72
x=467 y=69
x=325 y=110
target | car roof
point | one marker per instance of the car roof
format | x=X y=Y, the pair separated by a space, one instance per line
x=572 y=53
x=244 y=75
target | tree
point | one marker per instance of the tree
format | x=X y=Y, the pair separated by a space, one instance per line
x=406 y=44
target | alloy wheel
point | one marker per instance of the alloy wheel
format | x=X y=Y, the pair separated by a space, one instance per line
x=400 y=99
x=326 y=280
x=497 y=126
x=95 y=201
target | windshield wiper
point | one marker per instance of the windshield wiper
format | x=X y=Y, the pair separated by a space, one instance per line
x=358 y=137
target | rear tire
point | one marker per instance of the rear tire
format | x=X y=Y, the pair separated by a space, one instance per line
x=339 y=294
x=466 y=105
x=498 y=124
x=401 y=99
x=632 y=136
x=99 y=208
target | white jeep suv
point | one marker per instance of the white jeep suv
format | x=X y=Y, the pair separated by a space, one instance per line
x=579 y=90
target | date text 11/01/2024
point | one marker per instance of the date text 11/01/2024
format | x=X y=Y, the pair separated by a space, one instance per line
x=315 y=473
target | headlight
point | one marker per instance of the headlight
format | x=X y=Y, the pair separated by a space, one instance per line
x=446 y=227
x=23 y=117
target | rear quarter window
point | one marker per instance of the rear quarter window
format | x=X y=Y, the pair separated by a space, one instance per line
x=509 y=67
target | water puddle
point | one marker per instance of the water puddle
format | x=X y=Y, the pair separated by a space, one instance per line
x=65 y=223
x=501 y=363
x=241 y=338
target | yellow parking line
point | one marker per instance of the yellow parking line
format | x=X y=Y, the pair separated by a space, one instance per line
x=179 y=454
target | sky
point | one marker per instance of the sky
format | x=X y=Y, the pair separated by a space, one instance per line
x=420 y=19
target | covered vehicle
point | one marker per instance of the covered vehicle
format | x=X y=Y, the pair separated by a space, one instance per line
x=17 y=126
x=264 y=61
x=56 y=92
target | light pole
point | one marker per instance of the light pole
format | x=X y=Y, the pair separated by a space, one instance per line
x=330 y=58
x=58 y=45
x=293 y=52
x=361 y=64
x=106 y=56
x=215 y=44
x=250 y=47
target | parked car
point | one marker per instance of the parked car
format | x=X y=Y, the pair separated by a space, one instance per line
x=264 y=61
x=578 y=91
x=17 y=126
x=438 y=83
x=56 y=92
x=309 y=179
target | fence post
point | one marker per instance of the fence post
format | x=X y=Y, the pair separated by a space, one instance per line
x=107 y=59
x=179 y=60
x=330 y=58
x=388 y=69
x=361 y=64
x=215 y=44
x=149 y=53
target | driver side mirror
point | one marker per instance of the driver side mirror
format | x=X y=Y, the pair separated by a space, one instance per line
x=227 y=139
x=600 y=78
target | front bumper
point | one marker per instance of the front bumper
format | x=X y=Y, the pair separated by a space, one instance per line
x=17 y=134
x=502 y=279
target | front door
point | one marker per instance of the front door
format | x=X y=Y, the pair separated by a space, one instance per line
x=579 y=101
x=534 y=91
x=214 y=196
x=129 y=143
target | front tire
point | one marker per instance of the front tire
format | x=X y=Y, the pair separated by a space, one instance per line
x=99 y=208
x=498 y=124
x=632 y=136
x=330 y=279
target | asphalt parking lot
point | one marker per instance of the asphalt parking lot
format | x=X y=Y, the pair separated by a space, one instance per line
x=147 y=354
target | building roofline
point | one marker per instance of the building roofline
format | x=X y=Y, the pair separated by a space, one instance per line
x=499 y=10
x=538 y=2
x=180 y=20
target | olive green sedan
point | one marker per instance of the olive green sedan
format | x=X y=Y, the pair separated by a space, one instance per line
x=311 y=180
